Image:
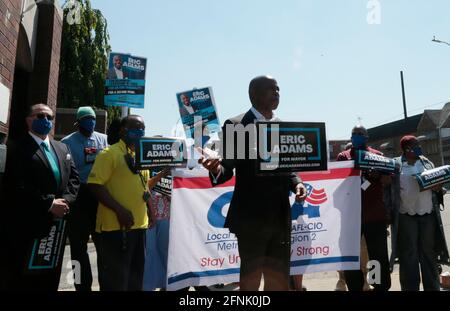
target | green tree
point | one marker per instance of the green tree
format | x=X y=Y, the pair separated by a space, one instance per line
x=84 y=58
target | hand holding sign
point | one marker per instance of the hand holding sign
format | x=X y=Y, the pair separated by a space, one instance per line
x=209 y=160
x=165 y=172
x=301 y=193
x=155 y=179
x=437 y=188
x=59 y=208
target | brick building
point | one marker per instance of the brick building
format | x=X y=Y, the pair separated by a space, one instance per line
x=432 y=128
x=30 y=37
x=386 y=137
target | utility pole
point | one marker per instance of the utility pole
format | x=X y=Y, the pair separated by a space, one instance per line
x=441 y=148
x=439 y=41
x=403 y=95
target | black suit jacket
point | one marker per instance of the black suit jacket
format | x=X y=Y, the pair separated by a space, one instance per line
x=31 y=187
x=112 y=74
x=259 y=203
x=185 y=112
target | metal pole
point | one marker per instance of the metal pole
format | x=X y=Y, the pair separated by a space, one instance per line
x=441 y=147
x=124 y=111
x=403 y=94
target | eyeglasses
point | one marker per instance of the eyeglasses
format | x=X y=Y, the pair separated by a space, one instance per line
x=43 y=116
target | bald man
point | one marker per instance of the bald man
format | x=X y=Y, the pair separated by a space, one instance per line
x=259 y=212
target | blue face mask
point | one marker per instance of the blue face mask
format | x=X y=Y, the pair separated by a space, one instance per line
x=359 y=141
x=42 y=126
x=134 y=135
x=417 y=151
x=87 y=124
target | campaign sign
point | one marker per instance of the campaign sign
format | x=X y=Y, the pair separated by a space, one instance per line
x=46 y=253
x=325 y=227
x=198 y=107
x=160 y=152
x=370 y=161
x=291 y=147
x=125 y=80
x=433 y=177
x=164 y=186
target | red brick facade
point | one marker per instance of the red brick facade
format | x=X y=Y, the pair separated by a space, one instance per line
x=41 y=84
x=54 y=65
x=9 y=31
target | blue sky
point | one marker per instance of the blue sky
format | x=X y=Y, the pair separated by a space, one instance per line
x=331 y=65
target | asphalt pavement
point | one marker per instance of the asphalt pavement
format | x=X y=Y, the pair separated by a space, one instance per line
x=323 y=281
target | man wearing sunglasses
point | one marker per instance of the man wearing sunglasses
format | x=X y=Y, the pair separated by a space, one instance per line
x=84 y=145
x=41 y=183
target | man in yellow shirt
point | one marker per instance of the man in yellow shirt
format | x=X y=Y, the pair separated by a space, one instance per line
x=122 y=216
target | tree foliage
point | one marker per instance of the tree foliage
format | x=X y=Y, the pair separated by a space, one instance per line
x=84 y=62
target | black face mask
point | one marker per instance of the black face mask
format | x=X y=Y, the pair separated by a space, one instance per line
x=130 y=161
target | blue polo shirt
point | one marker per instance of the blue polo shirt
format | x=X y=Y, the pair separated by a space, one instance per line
x=82 y=150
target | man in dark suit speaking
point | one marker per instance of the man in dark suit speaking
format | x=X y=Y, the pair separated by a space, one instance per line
x=41 y=183
x=259 y=212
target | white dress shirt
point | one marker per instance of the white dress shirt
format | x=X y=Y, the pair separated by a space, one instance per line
x=119 y=73
x=39 y=142
x=189 y=109
x=260 y=117
x=412 y=200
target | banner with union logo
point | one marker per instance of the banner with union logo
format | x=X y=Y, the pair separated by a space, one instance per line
x=325 y=227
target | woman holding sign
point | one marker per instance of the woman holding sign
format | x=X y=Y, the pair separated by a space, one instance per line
x=416 y=232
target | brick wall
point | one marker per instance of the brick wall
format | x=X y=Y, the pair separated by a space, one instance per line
x=9 y=32
x=41 y=84
x=54 y=62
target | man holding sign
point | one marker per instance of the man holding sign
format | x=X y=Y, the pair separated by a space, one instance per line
x=374 y=215
x=417 y=235
x=259 y=212
x=41 y=183
x=122 y=216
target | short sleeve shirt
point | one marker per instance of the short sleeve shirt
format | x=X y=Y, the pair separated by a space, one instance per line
x=111 y=170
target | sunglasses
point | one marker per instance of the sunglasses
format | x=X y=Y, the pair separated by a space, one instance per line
x=43 y=116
